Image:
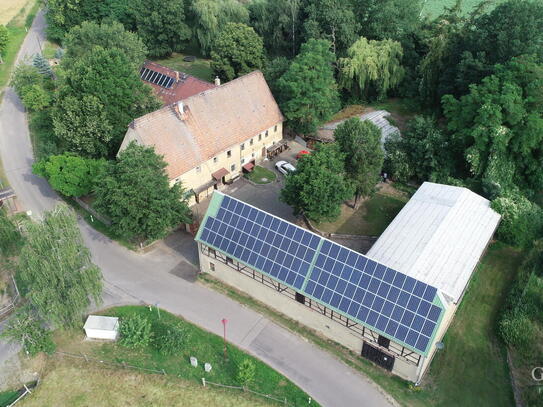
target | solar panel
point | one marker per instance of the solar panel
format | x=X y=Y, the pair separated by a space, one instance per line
x=157 y=78
x=262 y=241
x=384 y=299
x=377 y=296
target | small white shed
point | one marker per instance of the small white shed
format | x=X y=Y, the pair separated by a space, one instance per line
x=100 y=327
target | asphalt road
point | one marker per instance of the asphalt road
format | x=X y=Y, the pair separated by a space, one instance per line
x=165 y=276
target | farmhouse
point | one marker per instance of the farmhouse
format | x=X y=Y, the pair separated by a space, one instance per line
x=210 y=138
x=392 y=306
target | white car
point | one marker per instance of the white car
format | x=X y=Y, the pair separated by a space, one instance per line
x=284 y=167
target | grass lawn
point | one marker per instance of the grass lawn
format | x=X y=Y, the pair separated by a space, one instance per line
x=203 y=345
x=261 y=175
x=49 y=49
x=470 y=371
x=433 y=8
x=72 y=383
x=199 y=68
x=17 y=33
x=370 y=219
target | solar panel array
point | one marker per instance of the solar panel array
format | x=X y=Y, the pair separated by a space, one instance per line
x=157 y=78
x=262 y=241
x=388 y=301
x=381 y=297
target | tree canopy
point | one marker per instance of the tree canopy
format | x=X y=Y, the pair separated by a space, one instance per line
x=236 y=51
x=56 y=268
x=69 y=174
x=318 y=186
x=4 y=39
x=209 y=17
x=10 y=236
x=104 y=82
x=308 y=91
x=499 y=125
x=136 y=195
x=82 y=39
x=360 y=142
x=372 y=67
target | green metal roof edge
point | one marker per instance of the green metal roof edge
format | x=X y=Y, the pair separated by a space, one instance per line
x=212 y=210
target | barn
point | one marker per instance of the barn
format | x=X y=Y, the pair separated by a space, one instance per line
x=391 y=306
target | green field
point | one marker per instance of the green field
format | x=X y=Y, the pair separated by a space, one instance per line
x=206 y=347
x=200 y=68
x=433 y=8
x=370 y=219
x=73 y=383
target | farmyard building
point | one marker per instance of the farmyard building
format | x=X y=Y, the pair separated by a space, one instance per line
x=392 y=312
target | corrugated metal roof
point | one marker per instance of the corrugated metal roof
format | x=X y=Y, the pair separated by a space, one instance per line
x=438 y=237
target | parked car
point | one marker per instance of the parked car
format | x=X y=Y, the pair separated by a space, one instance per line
x=284 y=167
x=302 y=153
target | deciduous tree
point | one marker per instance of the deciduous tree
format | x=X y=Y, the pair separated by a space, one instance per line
x=81 y=39
x=10 y=236
x=371 y=67
x=360 y=142
x=319 y=185
x=56 y=268
x=82 y=126
x=210 y=16
x=308 y=89
x=70 y=174
x=35 y=97
x=117 y=94
x=236 y=51
x=136 y=195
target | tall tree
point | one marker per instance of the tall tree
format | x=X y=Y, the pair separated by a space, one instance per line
x=372 y=67
x=161 y=25
x=278 y=23
x=4 y=39
x=210 y=16
x=104 y=80
x=42 y=65
x=308 y=91
x=387 y=19
x=136 y=195
x=499 y=126
x=236 y=51
x=82 y=126
x=35 y=97
x=333 y=20
x=360 y=142
x=69 y=174
x=82 y=39
x=318 y=186
x=56 y=268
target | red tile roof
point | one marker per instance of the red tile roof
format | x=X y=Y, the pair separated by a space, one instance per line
x=184 y=86
x=211 y=122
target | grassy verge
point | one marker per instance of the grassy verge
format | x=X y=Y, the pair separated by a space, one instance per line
x=261 y=175
x=200 y=68
x=49 y=49
x=17 y=32
x=370 y=219
x=470 y=371
x=71 y=383
x=206 y=347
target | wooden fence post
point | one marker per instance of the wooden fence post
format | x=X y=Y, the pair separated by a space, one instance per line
x=204 y=381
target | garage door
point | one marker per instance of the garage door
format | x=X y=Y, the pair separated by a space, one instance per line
x=377 y=356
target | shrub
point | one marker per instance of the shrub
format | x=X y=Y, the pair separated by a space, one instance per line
x=169 y=339
x=516 y=329
x=522 y=220
x=246 y=372
x=35 y=97
x=23 y=76
x=135 y=332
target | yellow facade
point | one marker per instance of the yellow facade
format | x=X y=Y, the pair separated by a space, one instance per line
x=231 y=159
